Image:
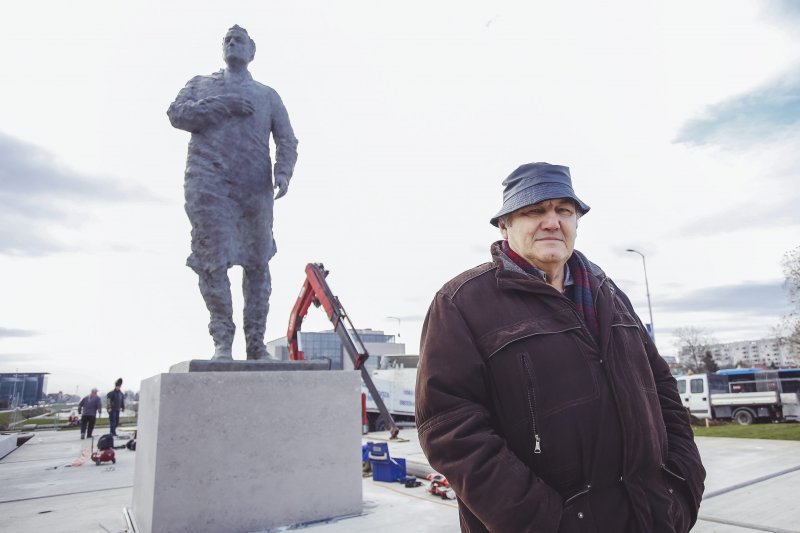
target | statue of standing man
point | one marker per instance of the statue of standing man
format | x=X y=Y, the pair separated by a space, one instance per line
x=229 y=187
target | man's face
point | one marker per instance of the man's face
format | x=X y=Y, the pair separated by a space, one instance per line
x=236 y=48
x=544 y=233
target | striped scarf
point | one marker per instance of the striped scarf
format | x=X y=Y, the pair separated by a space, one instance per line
x=580 y=292
x=581 y=295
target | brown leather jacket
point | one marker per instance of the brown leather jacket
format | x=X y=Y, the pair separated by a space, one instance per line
x=538 y=426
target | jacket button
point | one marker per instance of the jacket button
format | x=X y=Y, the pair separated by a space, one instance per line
x=580 y=514
x=671 y=491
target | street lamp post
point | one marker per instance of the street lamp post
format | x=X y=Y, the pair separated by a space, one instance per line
x=399 y=322
x=647 y=287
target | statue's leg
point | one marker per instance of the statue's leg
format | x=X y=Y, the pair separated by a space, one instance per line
x=257 y=287
x=216 y=290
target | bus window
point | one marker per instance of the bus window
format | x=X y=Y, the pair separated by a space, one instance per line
x=696 y=385
x=681 y=386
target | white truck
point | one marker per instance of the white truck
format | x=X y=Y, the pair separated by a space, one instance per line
x=711 y=396
x=395 y=379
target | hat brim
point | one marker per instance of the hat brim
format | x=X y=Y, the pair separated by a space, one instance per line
x=536 y=194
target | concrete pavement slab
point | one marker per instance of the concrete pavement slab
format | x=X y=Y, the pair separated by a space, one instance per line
x=751 y=484
x=750 y=488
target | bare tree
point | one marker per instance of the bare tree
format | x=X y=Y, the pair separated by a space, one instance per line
x=693 y=343
x=708 y=362
x=789 y=328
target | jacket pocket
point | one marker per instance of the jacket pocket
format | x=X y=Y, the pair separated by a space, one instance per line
x=676 y=487
x=627 y=343
x=576 y=515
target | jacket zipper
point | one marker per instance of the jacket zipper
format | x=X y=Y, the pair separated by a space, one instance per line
x=537 y=448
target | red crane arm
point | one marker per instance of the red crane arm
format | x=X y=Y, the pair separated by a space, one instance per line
x=316 y=290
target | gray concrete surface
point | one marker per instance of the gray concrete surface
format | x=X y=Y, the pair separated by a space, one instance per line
x=752 y=487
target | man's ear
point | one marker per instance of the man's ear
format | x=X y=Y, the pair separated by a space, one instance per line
x=503 y=230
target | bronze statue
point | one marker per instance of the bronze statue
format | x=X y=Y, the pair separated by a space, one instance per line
x=229 y=187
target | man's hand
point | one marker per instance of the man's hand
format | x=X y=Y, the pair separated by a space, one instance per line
x=282 y=184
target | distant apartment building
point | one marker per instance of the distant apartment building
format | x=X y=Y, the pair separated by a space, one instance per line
x=22 y=388
x=675 y=367
x=328 y=345
x=762 y=352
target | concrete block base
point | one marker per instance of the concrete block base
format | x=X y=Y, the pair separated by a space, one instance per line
x=246 y=451
x=8 y=443
x=270 y=365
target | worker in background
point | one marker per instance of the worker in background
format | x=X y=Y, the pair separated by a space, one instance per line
x=540 y=395
x=91 y=406
x=115 y=402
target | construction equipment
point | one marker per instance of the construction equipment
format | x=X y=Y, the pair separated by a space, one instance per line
x=105 y=450
x=439 y=486
x=316 y=290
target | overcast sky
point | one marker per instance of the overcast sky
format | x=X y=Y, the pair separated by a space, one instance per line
x=678 y=119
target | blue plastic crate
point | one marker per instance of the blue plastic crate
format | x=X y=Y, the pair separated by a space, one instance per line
x=389 y=471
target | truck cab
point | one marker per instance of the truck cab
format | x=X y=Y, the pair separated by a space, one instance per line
x=695 y=391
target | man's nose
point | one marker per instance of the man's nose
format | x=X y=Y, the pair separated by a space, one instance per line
x=551 y=220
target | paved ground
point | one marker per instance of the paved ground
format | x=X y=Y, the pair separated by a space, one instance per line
x=49 y=485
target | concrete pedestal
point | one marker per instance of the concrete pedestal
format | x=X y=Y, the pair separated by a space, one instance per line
x=8 y=443
x=246 y=451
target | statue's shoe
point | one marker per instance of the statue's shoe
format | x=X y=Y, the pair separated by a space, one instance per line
x=222 y=353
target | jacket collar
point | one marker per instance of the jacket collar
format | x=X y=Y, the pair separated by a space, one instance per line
x=508 y=274
x=515 y=279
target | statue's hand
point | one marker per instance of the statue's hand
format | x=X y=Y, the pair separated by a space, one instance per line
x=237 y=105
x=216 y=108
x=282 y=184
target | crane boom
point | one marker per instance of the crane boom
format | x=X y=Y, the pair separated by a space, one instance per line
x=316 y=291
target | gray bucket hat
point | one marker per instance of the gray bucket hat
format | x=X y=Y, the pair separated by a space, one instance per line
x=536 y=182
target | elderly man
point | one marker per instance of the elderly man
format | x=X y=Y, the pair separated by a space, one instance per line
x=540 y=396
x=229 y=184
x=89 y=408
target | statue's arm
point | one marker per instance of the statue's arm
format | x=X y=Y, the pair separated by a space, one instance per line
x=285 y=144
x=190 y=113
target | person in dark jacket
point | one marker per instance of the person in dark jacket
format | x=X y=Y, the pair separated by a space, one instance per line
x=540 y=395
x=115 y=402
x=91 y=406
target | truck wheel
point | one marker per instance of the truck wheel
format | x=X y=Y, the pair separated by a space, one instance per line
x=743 y=417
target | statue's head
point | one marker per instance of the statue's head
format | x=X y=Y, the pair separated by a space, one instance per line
x=238 y=49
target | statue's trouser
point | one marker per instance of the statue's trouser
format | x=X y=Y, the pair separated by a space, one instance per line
x=216 y=290
x=256 y=288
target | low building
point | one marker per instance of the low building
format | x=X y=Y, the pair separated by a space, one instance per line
x=328 y=345
x=22 y=388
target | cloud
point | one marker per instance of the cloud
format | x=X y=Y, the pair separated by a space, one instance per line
x=761 y=115
x=37 y=192
x=778 y=210
x=12 y=332
x=783 y=12
x=751 y=298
